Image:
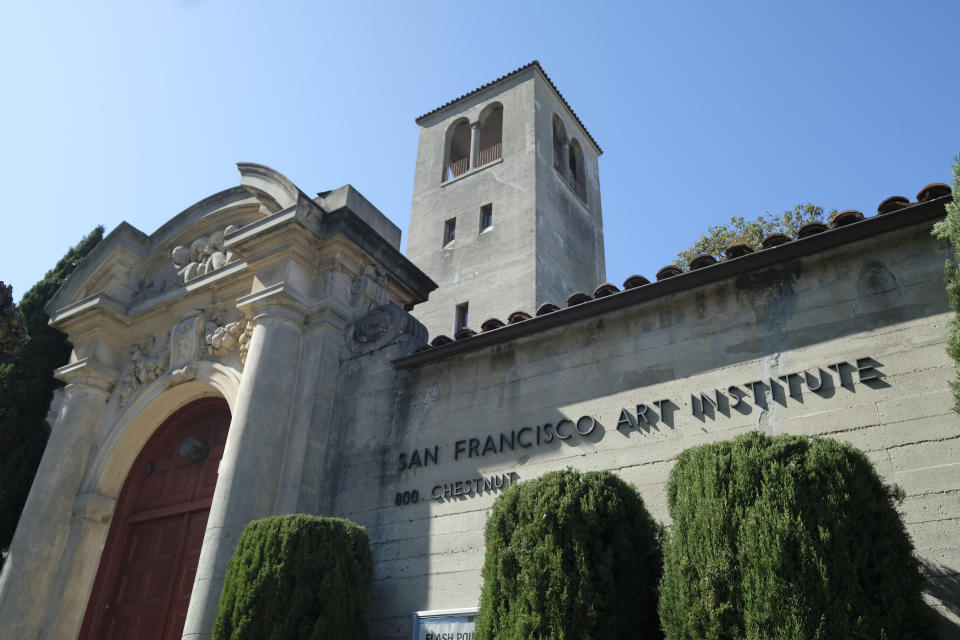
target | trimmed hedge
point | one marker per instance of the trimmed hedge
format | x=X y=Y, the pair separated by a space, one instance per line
x=787 y=537
x=570 y=556
x=294 y=577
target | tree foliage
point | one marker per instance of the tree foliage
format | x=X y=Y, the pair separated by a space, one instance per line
x=949 y=228
x=297 y=577
x=570 y=556
x=750 y=232
x=787 y=538
x=26 y=388
x=13 y=329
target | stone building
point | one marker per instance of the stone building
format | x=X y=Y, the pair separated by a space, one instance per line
x=264 y=352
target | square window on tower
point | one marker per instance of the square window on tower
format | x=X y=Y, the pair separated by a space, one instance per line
x=486 y=216
x=449 y=231
x=460 y=322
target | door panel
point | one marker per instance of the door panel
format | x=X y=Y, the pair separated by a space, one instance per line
x=188 y=571
x=146 y=573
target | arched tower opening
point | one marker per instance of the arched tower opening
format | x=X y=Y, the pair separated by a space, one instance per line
x=559 y=137
x=490 y=141
x=575 y=159
x=458 y=150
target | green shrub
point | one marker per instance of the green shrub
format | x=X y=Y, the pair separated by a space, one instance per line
x=787 y=537
x=949 y=228
x=570 y=556
x=295 y=577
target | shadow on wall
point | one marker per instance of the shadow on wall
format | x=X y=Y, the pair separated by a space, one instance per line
x=943 y=583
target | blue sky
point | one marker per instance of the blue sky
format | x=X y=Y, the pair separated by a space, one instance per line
x=133 y=111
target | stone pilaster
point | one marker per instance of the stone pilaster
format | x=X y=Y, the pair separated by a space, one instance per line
x=90 y=522
x=249 y=480
x=44 y=527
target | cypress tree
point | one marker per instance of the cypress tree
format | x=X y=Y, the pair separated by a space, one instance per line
x=570 y=556
x=296 y=577
x=26 y=388
x=787 y=537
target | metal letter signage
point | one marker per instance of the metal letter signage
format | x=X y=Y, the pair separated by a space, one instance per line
x=645 y=416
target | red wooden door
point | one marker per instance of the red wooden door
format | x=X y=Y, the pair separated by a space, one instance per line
x=150 y=559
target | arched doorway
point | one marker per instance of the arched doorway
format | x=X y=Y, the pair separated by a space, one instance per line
x=150 y=558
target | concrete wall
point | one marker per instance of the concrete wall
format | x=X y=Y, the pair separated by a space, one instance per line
x=878 y=303
x=493 y=270
x=570 y=253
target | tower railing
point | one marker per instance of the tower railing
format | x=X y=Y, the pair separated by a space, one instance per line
x=456 y=169
x=488 y=155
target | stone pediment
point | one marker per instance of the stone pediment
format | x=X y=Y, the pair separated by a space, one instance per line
x=131 y=266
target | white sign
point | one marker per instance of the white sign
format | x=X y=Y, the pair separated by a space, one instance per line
x=447 y=624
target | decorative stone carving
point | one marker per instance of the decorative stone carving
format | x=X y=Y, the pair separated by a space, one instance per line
x=205 y=255
x=148 y=364
x=185 y=347
x=198 y=336
x=382 y=326
x=222 y=337
x=372 y=326
x=367 y=289
x=244 y=341
x=185 y=340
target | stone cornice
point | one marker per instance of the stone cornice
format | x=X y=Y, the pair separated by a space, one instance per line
x=96 y=309
x=277 y=301
x=414 y=282
x=225 y=276
x=124 y=241
x=267 y=239
x=331 y=312
x=90 y=374
x=266 y=183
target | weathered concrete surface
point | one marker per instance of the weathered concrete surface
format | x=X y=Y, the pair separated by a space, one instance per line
x=879 y=301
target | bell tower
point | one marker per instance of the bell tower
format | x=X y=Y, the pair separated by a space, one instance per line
x=506 y=203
